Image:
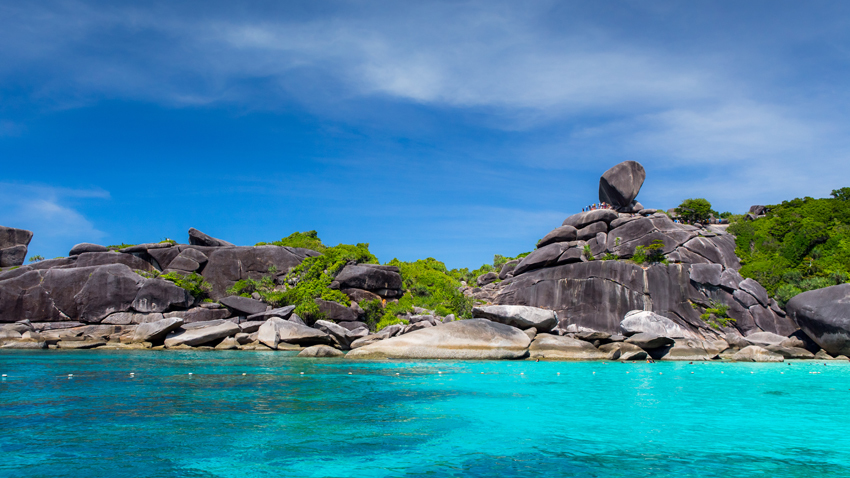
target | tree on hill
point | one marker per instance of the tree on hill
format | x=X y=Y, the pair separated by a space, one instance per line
x=695 y=210
x=842 y=194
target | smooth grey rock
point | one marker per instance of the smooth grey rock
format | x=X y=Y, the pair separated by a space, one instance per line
x=340 y=335
x=745 y=298
x=157 y=330
x=10 y=236
x=531 y=332
x=521 y=317
x=764 y=338
x=227 y=265
x=754 y=353
x=623 y=351
x=546 y=255
x=584 y=218
x=791 y=353
x=268 y=333
x=22 y=344
x=487 y=278
x=824 y=315
x=756 y=290
x=131 y=318
x=685 y=350
x=198 y=238
x=769 y=321
x=369 y=277
x=244 y=305
x=353 y=325
x=183 y=264
x=200 y=314
x=706 y=273
x=201 y=335
x=644 y=231
x=251 y=326
x=650 y=341
x=591 y=230
x=87 y=247
x=91 y=259
x=473 y=339
x=555 y=347
x=320 y=351
x=294 y=333
x=229 y=343
x=282 y=312
x=157 y=295
x=642 y=321
x=560 y=234
x=620 y=185
x=336 y=312
x=360 y=295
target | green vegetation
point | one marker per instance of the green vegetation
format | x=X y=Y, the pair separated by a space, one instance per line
x=695 y=210
x=36 y=258
x=168 y=241
x=800 y=245
x=609 y=257
x=429 y=284
x=115 y=247
x=650 y=254
x=469 y=276
x=193 y=282
x=717 y=315
x=587 y=253
x=307 y=240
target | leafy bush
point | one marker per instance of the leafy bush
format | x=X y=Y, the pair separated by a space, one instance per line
x=36 y=258
x=307 y=240
x=428 y=284
x=194 y=283
x=717 y=315
x=115 y=247
x=587 y=253
x=649 y=254
x=800 y=245
x=469 y=276
x=695 y=210
x=389 y=319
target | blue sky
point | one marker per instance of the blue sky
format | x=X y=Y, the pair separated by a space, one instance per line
x=456 y=130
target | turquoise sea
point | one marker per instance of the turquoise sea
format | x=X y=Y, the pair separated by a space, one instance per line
x=247 y=414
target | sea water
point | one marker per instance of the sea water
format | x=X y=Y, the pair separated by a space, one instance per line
x=246 y=414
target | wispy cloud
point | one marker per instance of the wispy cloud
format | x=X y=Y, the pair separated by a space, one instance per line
x=51 y=213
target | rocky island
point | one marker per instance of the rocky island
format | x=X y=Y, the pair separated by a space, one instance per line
x=622 y=282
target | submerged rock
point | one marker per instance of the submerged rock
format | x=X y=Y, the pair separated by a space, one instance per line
x=473 y=339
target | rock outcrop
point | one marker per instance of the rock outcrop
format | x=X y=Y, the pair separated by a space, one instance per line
x=474 y=339
x=13 y=246
x=620 y=185
x=824 y=315
x=521 y=317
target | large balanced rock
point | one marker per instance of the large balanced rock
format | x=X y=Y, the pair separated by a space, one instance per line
x=824 y=315
x=13 y=246
x=518 y=316
x=473 y=339
x=620 y=185
x=558 y=347
x=198 y=238
x=754 y=353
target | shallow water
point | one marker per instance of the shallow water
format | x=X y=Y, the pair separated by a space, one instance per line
x=403 y=418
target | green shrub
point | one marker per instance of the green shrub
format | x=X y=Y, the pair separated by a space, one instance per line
x=649 y=254
x=717 y=315
x=428 y=284
x=193 y=282
x=587 y=253
x=307 y=240
x=115 y=247
x=695 y=210
x=36 y=258
x=389 y=319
